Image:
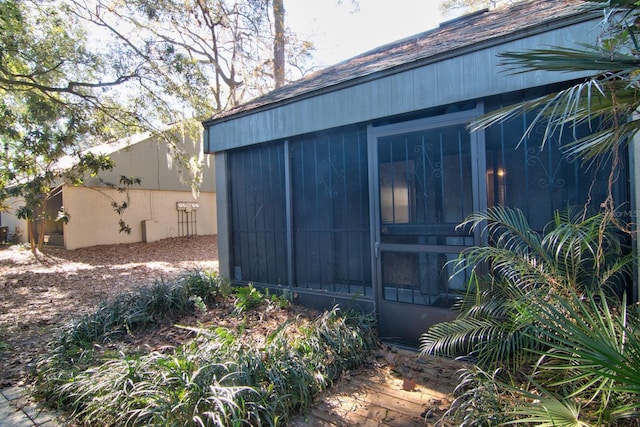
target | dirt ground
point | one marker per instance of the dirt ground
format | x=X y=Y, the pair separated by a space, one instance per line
x=38 y=294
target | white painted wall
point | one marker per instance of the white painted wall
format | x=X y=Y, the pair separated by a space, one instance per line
x=15 y=225
x=94 y=222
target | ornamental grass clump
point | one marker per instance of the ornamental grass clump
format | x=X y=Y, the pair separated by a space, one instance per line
x=162 y=300
x=223 y=376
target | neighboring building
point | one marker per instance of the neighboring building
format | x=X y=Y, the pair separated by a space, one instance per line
x=161 y=206
x=347 y=186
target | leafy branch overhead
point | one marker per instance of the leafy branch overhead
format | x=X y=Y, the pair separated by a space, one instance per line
x=74 y=74
x=467 y=6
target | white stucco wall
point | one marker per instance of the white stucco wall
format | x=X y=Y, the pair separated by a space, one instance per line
x=15 y=225
x=93 y=221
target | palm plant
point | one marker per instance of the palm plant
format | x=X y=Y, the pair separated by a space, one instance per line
x=591 y=368
x=521 y=269
x=587 y=375
x=546 y=315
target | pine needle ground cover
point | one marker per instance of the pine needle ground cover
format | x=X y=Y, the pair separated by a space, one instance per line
x=199 y=352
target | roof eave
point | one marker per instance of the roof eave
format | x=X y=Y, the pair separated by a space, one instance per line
x=543 y=27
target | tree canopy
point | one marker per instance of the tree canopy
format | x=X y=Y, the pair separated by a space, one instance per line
x=74 y=73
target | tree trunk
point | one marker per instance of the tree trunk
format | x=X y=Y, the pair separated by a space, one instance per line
x=41 y=213
x=43 y=224
x=278 y=43
x=31 y=232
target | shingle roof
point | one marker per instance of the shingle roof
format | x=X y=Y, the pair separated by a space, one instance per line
x=447 y=40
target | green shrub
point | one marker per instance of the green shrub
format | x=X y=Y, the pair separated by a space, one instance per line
x=219 y=378
x=247 y=298
x=147 y=306
x=208 y=285
x=521 y=268
x=74 y=349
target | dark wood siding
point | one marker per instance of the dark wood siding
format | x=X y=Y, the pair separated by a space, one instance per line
x=327 y=197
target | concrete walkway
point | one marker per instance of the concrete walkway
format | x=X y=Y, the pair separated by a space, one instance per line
x=18 y=410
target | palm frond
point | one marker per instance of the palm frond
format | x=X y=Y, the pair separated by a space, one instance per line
x=614 y=279
x=576 y=104
x=494 y=333
x=586 y=58
x=456 y=338
x=520 y=269
x=485 y=340
x=548 y=411
x=508 y=228
x=602 y=142
x=602 y=103
x=491 y=302
x=590 y=334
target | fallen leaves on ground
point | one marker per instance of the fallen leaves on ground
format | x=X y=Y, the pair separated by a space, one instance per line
x=39 y=293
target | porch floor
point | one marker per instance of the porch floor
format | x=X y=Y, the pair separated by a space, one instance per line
x=398 y=389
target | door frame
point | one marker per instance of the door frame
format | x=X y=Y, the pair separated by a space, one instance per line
x=479 y=202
